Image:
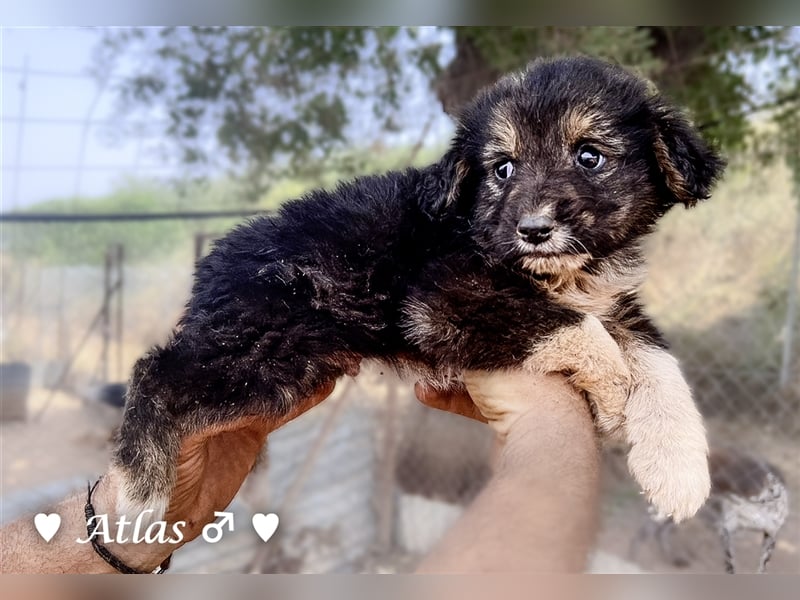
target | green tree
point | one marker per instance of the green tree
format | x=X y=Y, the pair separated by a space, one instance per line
x=267 y=103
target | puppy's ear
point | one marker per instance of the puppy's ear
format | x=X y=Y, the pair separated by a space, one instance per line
x=451 y=174
x=689 y=165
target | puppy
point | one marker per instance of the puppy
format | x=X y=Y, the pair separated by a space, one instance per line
x=520 y=248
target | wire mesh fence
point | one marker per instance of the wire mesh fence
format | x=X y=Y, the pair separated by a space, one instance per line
x=370 y=480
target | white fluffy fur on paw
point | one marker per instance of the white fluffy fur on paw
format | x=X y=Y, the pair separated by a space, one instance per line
x=669 y=451
x=677 y=484
x=153 y=510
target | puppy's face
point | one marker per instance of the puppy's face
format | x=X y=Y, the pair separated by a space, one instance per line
x=572 y=160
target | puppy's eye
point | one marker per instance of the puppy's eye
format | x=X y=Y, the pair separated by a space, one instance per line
x=590 y=158
x=504 y=170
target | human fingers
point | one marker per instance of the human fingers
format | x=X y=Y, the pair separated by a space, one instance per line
x=455 y=400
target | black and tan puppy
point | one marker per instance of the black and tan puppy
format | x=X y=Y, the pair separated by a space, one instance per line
x=521 y=247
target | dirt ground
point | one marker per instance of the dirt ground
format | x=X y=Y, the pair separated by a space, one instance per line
x=71 y=440
x=66 y=440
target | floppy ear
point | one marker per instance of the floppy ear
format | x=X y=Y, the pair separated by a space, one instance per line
x=690 y=166
x=450 y=175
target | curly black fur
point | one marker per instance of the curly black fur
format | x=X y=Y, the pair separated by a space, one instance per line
x=422 y=268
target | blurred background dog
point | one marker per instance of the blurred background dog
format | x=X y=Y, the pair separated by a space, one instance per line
x=747 y=494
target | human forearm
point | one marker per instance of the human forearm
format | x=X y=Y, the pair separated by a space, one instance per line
x=24 y=550
x=538 y=512
x=211 y=466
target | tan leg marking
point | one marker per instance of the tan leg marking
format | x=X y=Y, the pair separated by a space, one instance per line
x=669 y=451
x=595 y=364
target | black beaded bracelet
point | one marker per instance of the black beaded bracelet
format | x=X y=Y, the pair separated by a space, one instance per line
x=104 y=552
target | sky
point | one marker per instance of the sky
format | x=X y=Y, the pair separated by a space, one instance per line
x=42 y=154
x=53 y=154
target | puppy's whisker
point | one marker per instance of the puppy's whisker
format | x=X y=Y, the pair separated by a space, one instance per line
x=513 y=248
x=572 y=241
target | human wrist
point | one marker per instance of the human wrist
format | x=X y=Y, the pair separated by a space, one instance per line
x=556 y=434
x=141 y=556
x=545 y=472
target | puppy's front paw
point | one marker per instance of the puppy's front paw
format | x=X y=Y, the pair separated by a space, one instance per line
x=674 y=478
x=597 y=367
x=669 y=451
x=608 y=398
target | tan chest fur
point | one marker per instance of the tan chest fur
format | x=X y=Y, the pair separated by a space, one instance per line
x=595 y=293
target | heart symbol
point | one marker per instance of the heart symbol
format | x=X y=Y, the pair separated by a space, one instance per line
x=265 y=525
x=47 y=525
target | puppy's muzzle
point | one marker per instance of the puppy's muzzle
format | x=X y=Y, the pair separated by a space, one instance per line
x=535 y=230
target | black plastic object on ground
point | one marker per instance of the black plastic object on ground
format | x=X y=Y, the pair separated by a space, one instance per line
x=15 y=383
x=113 y=394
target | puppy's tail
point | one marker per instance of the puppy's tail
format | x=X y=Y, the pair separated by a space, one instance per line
x=144 y=461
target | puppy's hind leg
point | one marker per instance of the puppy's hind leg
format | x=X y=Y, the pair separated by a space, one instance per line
x=192 y=388
x=143 y=464
x=595 y=364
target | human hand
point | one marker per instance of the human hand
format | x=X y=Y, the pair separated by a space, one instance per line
x=212 y=464
x=501 y=398
x=545 y=471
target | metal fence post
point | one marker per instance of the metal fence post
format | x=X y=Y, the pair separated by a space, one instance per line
x=23 y=95
x=791 y=308
x=120 y=283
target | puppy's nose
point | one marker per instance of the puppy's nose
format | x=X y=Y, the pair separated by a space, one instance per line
x=535 y=229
